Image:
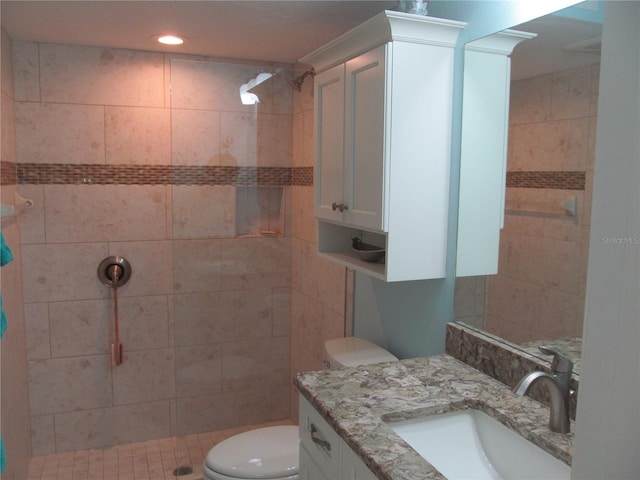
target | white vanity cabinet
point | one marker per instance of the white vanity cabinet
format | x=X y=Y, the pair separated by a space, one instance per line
x=383 y=104
x=483 y=166
x=323 y=454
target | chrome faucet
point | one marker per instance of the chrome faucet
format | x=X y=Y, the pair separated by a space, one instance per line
x=558 y=385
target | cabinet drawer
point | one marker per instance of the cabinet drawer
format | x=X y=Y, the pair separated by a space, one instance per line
x=319 y=440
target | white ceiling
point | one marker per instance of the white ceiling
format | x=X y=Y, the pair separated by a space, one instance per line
x=264 y=30
x=275 y=31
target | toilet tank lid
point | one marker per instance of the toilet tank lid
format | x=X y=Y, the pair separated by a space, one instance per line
x=268 y=452
x=353 y=351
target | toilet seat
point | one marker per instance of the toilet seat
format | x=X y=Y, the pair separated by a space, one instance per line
x=264 y=453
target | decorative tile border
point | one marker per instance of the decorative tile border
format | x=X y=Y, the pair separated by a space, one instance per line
x=552 y=180
x=84 y=174
x=71 y=174
x=302 y=176
x=8 y=173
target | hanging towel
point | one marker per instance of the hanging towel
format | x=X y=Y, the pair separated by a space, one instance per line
x=3 y=456
x=5 y=252
x=5 y=257
x=3 y=319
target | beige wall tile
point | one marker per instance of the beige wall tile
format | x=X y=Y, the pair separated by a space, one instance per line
x=203 y=211
x=15 y=396
x=510 y=331
x=43 y=435
x=195 y=137
x=209 y=318
x=571 y=93
x=308 y=152
x=101 y=76
x=59 y=133
x=223 y=82
x=90 y=213
x=561 y=314
x=281 y=311
x=297 y=129
x=144 y=322
x=261 y=211
x=26 y=71
x=151 y=266
x=530 y=100
x=67 y=384
x=239 y=133
x=198 y=370
x=250 y=263
x=31 y=221
x=103 y=427
x=138 y=136
x=231 y=409
x=6 y=76
x=62 y=272
x=197 y=265
x=8 y=126
x=282 y=93
x=326 y=284
x=124 y=119
x=144 y=376
x=80 y=328
x=304 y=224
x=36 y=318
x=255 y=363
x=274 y=140
x=557 y=146
x=553 y=122
x=560 y=261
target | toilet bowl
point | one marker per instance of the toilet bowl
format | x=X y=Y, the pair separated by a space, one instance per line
x=272 y=452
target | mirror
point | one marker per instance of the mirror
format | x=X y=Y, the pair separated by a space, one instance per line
x=538 y=295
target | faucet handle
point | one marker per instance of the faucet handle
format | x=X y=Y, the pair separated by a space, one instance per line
x=561 y=363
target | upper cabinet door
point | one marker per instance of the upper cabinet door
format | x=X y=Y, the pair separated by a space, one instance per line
x=329 y=171
x=365 y=139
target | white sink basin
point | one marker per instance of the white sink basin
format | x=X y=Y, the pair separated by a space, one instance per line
x=469 y=444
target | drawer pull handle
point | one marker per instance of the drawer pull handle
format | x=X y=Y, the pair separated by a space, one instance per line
x=316 y=439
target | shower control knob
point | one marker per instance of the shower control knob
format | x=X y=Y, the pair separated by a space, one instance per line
x=114 y=271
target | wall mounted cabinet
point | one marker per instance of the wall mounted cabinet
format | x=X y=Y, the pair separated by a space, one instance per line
x=483 y=167
x=383 y=104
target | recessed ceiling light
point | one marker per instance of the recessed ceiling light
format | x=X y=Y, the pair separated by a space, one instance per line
x=170 y=39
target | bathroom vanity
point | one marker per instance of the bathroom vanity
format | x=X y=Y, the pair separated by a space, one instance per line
x=353 y=408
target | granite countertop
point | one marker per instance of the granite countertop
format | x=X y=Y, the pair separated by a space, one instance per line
x=358 y=401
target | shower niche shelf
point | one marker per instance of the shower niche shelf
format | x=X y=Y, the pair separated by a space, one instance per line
x=260 y=211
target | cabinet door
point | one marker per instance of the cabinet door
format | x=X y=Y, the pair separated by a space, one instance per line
x=365 y=139
x=329 y=125
x=352 y=467
x=308 y=469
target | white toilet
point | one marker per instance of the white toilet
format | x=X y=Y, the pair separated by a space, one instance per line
x=272 y=452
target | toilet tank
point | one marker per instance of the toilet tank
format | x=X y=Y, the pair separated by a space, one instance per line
x=353 y=351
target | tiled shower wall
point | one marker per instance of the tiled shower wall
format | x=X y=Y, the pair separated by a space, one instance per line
x=152 y=157
x=539 y=292
x=321 y=291
x=14 y=404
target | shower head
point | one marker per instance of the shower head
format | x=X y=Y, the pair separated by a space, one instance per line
x=299 y=80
